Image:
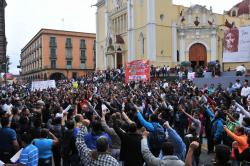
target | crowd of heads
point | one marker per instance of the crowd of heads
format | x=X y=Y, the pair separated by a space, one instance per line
x=34 y=114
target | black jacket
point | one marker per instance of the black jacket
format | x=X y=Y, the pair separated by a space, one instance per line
x=130 y=147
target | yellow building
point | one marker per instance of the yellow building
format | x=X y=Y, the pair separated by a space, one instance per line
x=162 y=32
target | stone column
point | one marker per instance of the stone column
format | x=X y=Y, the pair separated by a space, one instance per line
x=182 y=47
x=151 y=31
x=97 y=41
x=106 y=33
x=174 y=43
x=131 y=37
x=213 y=45
x=115 y=60
x=190 y=23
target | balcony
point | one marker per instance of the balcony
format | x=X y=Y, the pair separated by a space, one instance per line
x=69 y=57
x=53 y=56
x=83 y=58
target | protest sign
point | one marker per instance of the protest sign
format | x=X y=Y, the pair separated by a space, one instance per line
x=137 y=70
x=40 y=85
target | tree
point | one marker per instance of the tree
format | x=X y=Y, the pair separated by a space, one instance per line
x=8 y=63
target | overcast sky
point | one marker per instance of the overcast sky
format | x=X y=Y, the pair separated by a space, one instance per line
x=24 y=18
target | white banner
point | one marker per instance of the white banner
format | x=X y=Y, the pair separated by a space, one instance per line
x=40 y=85
x=237 y=45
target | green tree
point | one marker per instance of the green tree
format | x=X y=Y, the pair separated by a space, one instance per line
x=8 y=63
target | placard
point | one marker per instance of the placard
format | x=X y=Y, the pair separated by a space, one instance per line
x=138 y=70
x=40 y=85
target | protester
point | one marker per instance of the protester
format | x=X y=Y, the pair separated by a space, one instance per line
x=111 y=116
x=244 y=156
x=29 y=154
x=44 y=145
x=240 y=70
x=99 y=156
x=8 y=141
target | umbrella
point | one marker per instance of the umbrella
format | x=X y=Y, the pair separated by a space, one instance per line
x=185 y=63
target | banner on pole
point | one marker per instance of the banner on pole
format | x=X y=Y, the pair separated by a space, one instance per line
x=138 y=70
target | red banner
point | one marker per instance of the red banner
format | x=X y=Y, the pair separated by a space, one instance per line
x=138 y=70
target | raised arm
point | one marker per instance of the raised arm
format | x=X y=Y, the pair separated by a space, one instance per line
x=242 y=109
x=189 y=158
x=233 y=136
x=209 y=112
x=180 y=147
x=121 y=133
x=83 y=150
x=143 y=122
x=55 y=139
x=147 y=155
x=189 y=116
x=126 y=118
x=106 y=128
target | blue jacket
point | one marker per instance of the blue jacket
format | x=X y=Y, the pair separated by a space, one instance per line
x=90 y=139
x=217 y=125
x=179 y=145
x=145 y=123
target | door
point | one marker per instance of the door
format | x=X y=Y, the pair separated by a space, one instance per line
x=119 y=60
x=198 y=55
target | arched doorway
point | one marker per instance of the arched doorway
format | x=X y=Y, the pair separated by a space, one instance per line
x=198 y=55
x=57 y=76
x=119 y=58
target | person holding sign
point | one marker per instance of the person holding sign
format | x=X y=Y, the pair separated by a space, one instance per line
x=29 y=153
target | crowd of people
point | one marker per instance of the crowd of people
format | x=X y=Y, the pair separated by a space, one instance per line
x=106 y=122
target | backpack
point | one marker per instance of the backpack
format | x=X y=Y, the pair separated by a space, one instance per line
x=157 y=137
x=67 y=144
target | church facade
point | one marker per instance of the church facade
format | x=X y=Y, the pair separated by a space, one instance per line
x=162 y=32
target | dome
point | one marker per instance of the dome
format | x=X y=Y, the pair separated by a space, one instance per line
x=240 y=9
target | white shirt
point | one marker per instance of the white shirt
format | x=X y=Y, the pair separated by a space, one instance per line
x=245 y=91
x=237 y=85
x=241 y=68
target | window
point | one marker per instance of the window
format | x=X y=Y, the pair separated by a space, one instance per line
x=68 y=53
x=83 y=54
x=52 y=41
x=83 y=50
x=82 y=44
x=53 y=64
x=69 y=64
x=52 y=52
x=83 y=64
x=162 y=17
x=142 y=42
x=68 y=43
x=233 y=13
